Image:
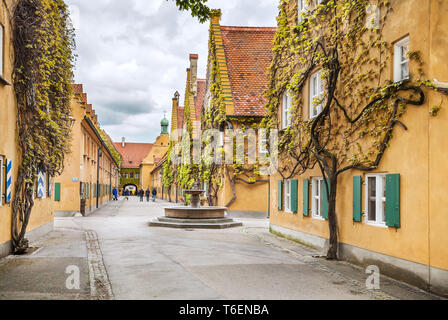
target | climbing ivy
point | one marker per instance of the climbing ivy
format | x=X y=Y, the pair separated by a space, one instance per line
x=43 y=44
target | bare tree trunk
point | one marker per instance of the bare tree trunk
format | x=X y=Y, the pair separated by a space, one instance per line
x=232 y=184
x=332 y=253
x=21 y=211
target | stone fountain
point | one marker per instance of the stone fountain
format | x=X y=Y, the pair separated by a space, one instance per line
x=195 y=216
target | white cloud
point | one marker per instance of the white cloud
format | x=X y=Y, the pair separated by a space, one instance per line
x=132 y=56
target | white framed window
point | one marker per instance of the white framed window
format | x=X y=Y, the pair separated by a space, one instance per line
x=1 y=50
x=206 y=189
x=302 y=7
x=286 y=110
x=287 y=199
x=375 y=199
x=316 y=94
x=317 y=187
x=401 y=60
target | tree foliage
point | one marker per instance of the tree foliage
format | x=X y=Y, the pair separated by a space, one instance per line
x=198 y=8
x=43 y=43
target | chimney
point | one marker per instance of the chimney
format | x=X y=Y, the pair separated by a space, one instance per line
x=215 y=16
x=194 y=72
x=123 y=142
x=174 y=111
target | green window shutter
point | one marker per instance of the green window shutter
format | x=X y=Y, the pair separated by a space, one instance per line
x=357 y=198
x=306 y=197
x=325 y=200
x=280 y=195
x=294 y=199
x=95 y=190
x=393 y=200
x=57 y=191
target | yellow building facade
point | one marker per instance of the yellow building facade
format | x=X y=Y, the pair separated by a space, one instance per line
x=90 y=171
x=41 y=219
x=415 y=249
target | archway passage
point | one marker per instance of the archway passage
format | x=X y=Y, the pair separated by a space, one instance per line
x=129 y=189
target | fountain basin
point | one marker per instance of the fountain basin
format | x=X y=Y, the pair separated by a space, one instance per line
x=195 y=213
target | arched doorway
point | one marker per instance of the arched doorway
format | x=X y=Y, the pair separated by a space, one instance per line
x=129 y=189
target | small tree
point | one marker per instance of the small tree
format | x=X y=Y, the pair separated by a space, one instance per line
x=358 y=108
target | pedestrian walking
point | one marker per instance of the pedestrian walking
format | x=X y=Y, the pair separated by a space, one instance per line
x=141 y=194
x=147 y=195
x=154 y=194
x=115 y=193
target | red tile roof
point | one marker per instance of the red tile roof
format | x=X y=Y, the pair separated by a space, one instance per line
x=248 y=53
x=199 y=101
x=133 y=153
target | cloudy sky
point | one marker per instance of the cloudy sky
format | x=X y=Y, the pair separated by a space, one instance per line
x=133 y=54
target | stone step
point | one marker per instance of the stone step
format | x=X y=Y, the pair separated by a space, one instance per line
x=174 y=220
x=157 y=223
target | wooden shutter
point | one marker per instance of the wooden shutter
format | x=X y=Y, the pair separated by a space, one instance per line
x=280 y=195
x=325 y=199
x=294 y=198
x=306 y=197
x=57 y=191
x=393 y=200
x=357 y=199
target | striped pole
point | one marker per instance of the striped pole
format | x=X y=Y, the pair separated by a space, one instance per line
x=8 y=180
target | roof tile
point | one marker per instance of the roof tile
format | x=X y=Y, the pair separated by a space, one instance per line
x=133 y=153
x=248 y=53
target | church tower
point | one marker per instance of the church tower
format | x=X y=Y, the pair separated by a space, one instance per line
x=164 y=124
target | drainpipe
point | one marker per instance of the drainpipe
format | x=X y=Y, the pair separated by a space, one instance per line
x=269 y=198
x=98 y=177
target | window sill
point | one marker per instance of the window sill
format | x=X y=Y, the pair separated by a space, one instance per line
x=318 y=218
x=4 y=82
x=376 y=224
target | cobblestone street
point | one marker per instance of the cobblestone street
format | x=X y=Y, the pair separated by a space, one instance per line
x=120 y=257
